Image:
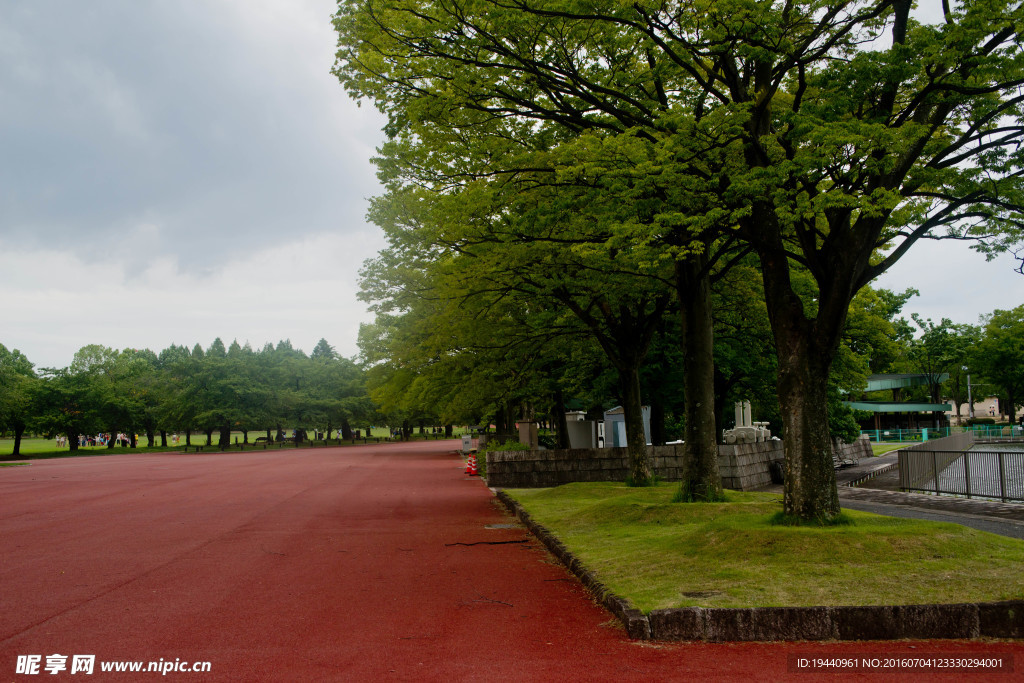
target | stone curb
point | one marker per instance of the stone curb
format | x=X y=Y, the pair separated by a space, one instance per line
x=636 y=623
x=872 y=474
x=874 y=622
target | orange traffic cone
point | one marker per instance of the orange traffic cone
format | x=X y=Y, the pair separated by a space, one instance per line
x=471 y=466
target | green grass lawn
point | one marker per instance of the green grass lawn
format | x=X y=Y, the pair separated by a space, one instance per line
x=660 y=554
x=883 y=448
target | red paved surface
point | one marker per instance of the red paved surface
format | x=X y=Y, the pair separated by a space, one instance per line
x=327 y=564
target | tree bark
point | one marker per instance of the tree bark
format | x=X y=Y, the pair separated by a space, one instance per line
x=805 y=348
x=810 y=484
x=561 y=426
x=19 y=430
x=658 y=431
x=703 y=481
x=640 y=473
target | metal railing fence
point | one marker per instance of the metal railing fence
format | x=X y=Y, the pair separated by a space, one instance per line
x=981 y=432
x=974 y=474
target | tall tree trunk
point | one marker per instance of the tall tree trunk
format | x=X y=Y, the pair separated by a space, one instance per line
x=163 y=438
x=659 y=434
x=111 y=440
x=810 y=487
x=72 y=442
x=640 y=473
x=209 y=437
x=561 y=426
x=500 y=424
x=19 y=430
x=703 y=481
x=449 y=430
x=346 y=430
x=225 y=437
x=805 y=349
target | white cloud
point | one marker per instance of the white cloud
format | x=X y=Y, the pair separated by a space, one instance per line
x=955 y=282
x=54 y=302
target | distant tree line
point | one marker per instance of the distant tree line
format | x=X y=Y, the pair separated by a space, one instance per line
x=212 y=391
x=991 y=353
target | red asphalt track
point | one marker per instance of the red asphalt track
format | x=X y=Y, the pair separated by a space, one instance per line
x=327 y=564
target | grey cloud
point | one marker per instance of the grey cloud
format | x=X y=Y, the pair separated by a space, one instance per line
x=177 y=116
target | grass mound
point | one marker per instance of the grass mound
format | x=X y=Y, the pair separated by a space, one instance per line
x=734 y=553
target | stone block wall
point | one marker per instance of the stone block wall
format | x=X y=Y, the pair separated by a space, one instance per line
x=743 y=466
x=858 y=450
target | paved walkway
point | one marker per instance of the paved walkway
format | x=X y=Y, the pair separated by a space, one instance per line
x=359 y=563
x=878 y=491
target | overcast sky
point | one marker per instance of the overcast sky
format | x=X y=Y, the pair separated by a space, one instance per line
x=177 y=171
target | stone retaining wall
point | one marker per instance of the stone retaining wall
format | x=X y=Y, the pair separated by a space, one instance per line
x=743 y=466
x=858 y=450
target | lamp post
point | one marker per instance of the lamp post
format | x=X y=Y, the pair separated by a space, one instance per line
x=970 y=401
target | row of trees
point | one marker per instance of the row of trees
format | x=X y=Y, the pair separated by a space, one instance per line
x=219 y=389
x=991 y=354
x=557 y=166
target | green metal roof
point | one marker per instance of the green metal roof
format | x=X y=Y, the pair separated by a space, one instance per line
x=889 y=407
x=882 y=382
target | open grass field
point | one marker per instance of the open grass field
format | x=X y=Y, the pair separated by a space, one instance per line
x=660 y=554
x=883 y=448
x=46 y=448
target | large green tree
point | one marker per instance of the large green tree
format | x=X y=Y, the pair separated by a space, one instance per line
x=1000 y=356
x=787 y=126
x=17 y=380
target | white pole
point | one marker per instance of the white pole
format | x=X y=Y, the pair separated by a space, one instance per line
x=970 y=401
